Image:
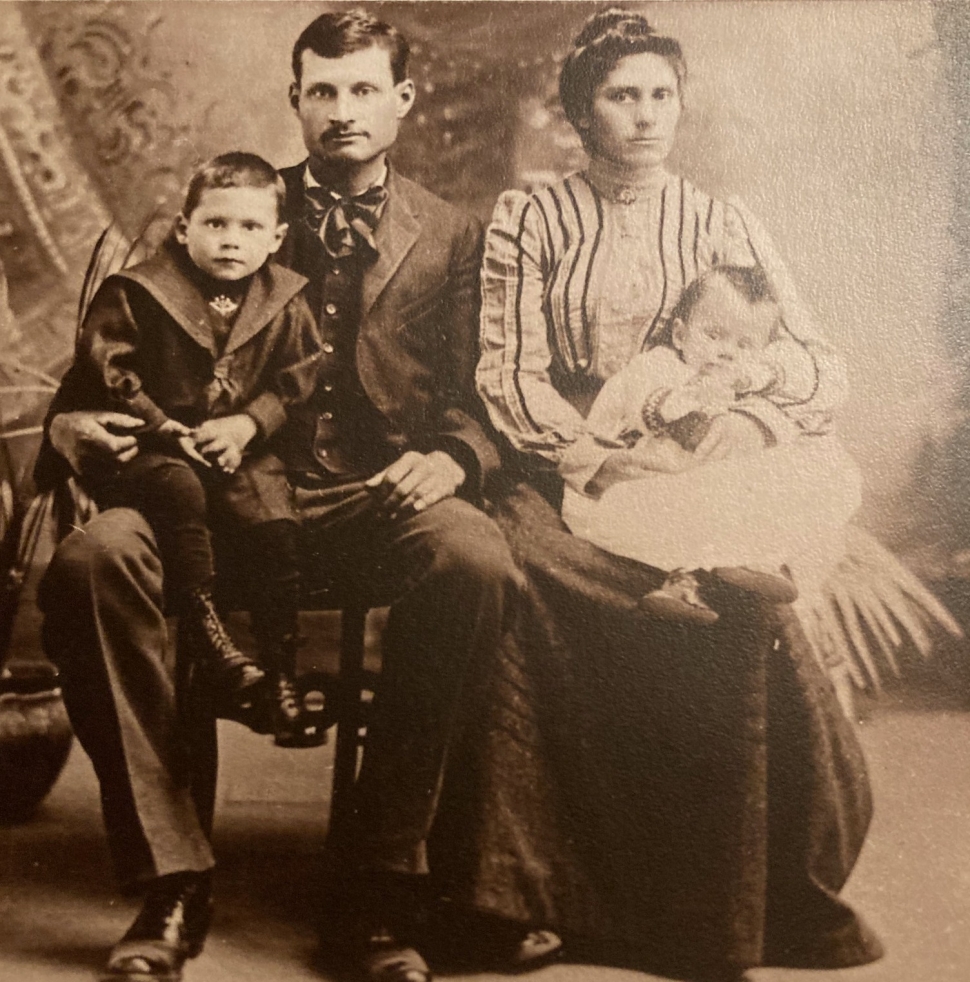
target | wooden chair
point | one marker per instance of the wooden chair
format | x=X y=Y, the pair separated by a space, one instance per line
x=351 y=688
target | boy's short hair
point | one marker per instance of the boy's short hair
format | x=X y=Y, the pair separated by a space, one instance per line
x=233 y=170
x=749 y=281
x=339 y=33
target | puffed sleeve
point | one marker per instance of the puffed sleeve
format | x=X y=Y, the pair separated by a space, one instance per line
x=513 y=374
x=811 y=380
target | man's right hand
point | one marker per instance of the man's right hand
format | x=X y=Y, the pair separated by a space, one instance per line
x=94 y=436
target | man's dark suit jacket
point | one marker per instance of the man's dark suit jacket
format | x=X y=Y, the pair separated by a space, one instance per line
x=417 y=344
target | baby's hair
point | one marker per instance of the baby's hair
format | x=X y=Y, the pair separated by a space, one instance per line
x=233 y=170
x=750 y=282
x=606 y=38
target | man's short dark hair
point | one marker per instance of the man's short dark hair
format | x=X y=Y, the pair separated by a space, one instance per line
x=340 y=33
x=233 y=170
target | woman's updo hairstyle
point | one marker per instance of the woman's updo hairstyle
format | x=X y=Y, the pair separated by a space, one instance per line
x=606 y=38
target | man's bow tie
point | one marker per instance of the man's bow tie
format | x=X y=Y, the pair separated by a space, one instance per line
x=346 y=225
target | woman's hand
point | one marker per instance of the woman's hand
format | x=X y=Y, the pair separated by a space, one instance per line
x=648 y=456
x=731 y=435
x=82 y=438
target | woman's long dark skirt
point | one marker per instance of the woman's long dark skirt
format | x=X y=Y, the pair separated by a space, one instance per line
x=692 y=795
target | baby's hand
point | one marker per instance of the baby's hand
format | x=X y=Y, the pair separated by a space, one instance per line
x=224 y=440
x=714 y=389
x=754 y=374
x=178 y=433
x=678 y=403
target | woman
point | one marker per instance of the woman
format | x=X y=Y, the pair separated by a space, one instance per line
x=690 y=794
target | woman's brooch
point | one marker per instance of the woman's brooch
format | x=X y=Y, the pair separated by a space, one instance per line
x=626 y=196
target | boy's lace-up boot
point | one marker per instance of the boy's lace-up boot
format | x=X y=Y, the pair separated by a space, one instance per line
x=234 y=673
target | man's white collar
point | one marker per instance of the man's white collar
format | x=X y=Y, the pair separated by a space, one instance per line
x=309 y=181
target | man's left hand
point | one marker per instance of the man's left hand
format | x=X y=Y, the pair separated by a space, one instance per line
x=417 y=481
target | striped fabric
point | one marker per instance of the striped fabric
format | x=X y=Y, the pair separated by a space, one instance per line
x=562 y=268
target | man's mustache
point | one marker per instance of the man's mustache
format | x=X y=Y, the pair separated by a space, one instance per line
x=338 y=131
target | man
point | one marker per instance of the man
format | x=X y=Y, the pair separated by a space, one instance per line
x=385 y=460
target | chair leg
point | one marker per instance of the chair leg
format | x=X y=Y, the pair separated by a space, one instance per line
x=349 y=688
x=197 y=716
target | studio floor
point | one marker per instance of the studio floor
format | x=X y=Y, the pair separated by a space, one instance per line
x=59 y=911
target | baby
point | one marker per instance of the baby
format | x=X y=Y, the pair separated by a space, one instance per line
x=209 y=343
x=762 y=521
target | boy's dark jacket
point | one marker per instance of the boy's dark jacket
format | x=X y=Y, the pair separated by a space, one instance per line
x=146 y=349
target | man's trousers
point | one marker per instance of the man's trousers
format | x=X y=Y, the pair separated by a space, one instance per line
x=454 y=585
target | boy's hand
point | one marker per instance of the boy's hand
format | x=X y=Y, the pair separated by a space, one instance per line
x=179 y=433
x=224 y=440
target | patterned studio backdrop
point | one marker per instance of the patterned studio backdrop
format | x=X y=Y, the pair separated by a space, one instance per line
x=839 y=124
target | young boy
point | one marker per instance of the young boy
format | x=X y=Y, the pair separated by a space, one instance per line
x=752 y=520
x=210 y=343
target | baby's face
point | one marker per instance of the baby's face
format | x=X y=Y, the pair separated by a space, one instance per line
x=723 y=327
x=232 y=231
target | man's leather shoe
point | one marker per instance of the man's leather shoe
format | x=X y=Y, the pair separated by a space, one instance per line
x=170 y=928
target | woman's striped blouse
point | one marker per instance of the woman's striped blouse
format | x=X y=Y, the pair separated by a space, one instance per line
x=574 y=284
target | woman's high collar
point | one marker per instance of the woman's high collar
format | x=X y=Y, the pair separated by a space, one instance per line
x=622 y=185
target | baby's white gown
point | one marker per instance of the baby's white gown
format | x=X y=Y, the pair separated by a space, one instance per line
x=786 y=505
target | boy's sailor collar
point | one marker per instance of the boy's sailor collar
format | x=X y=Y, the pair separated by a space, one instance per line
x=164 y=276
